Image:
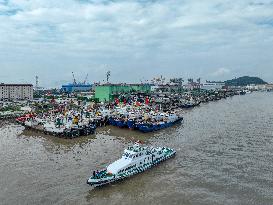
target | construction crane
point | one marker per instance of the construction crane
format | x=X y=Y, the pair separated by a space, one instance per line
x=37 y=82
x=84 y=82
x=108 y=74
x=74 y=80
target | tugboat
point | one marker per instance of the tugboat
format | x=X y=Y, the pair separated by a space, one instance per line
x=135 y=159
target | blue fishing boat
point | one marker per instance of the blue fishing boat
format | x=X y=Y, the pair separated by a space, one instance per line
x=149 y=127
x=131 y=124
x=111 y=121
x=120 y=123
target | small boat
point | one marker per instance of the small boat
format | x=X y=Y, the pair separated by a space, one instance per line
x=247 y=91
x=69 y=132
x=190 y=103
x=24 y=118
x=135 y=159
x=241 y=92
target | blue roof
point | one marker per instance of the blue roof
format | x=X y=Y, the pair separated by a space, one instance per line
x=77 y=85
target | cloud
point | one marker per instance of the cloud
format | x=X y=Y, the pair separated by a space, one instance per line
x=176 y=37
x=220 y=72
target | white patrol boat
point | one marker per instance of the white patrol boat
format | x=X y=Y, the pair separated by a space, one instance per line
x=135 y=159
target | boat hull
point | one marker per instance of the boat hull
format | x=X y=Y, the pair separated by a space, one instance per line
x=151 y=128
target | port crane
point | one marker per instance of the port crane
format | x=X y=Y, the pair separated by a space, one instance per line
x=75 y=82
x=84 y=82
x=74 y=79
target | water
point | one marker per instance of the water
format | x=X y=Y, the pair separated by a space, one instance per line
x=224 y=156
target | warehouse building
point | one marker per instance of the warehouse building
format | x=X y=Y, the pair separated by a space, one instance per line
x=76 y=88
x=16 y=91
x=108 y=92
x=212 y=85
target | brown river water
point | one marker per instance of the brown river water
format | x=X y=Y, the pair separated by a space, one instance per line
x=224 y=156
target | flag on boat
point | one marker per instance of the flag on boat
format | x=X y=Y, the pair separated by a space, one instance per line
x=147 y=101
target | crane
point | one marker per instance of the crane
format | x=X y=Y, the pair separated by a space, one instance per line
x=108 y=74
x=84 y=82
x=74 y=80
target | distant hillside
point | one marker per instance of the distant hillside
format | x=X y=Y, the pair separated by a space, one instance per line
x=244 y=81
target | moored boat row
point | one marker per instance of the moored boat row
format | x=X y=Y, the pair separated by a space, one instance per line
x=147 y=122
x=70 y=129
x=142 y=112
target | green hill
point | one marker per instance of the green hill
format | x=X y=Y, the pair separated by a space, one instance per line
x=244 y=81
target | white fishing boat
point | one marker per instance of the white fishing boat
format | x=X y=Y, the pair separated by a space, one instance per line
x=247 y=91
x=135 y=159
x=50 y=127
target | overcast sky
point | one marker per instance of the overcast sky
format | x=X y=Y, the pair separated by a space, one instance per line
x=135 y=40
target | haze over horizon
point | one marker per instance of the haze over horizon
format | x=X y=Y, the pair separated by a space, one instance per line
x=135 y=40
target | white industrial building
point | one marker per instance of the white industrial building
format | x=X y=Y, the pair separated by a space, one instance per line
x=16 y=91
x=212 y=85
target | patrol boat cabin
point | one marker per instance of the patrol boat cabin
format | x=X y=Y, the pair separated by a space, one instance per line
x=132 y=157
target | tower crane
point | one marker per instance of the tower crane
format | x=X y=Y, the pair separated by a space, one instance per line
x=74 y=80
x=84 y=82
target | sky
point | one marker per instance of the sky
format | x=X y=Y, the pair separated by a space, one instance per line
x=135 y=40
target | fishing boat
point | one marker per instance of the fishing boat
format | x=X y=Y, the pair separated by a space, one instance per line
x=131 y=124
x=135 y=159
x=168 y=121
x=247 y=91
x=69 y=131
x=146 y=121
x=24 y=118
x=189 y=103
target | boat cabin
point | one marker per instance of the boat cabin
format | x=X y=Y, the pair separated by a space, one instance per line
x=132 y=157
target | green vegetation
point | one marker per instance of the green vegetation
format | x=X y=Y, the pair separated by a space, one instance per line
x=244 y=81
